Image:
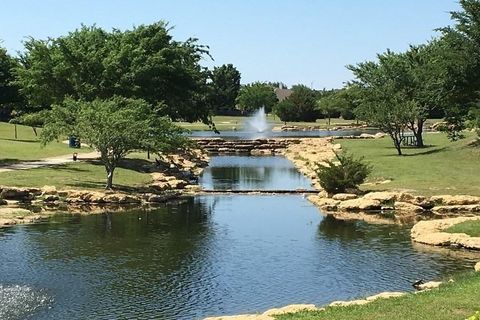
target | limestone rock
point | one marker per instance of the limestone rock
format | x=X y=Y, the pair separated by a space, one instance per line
x=383 y=197
x=344 y=196
x=49 y=190
x=429 y=285
x=3 y=202
x=160 y=186
x=290 y=309
x=407 y=207
x=324 y=203
x=177 y=184
x=477 y=267
x=449 y=200
x=12 y=193
x=360 y=204
x=121 y=198
x=348 y=303
x=14 y=212
x=386 y=295
x=50 y=198
x=457 y=208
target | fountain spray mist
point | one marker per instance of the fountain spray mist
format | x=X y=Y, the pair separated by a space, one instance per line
x=258 y=121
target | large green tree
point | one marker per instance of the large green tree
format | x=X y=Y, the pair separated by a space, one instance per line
x=115 y=127
x=383 y=102
x=255 y=96
x=143 y=63
x=9 y=93
x=224 y=89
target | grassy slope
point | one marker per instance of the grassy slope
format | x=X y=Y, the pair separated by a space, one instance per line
x=27 y=145
x=458 y=300
x=472 y=228
x=73 y=175
x=443 y=167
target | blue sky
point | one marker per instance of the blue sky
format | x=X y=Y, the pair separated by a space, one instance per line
x=293 y=41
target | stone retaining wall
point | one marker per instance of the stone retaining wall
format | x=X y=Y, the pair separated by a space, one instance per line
x=249 y=147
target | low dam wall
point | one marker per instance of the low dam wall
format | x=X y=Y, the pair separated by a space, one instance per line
x=249 y=147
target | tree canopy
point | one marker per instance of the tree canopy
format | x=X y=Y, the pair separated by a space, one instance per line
x=143 y=63
x=224 y=89
x=256 y=95
x=301 y=105
x=9 y=93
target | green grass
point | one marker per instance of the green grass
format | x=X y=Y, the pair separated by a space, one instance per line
x=27 y=146
x=472 y=228
x=457 y=300
x=80 y=175
x=443 y=167
x=229 y=122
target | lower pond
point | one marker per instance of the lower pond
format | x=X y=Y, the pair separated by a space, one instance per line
x=206 y=255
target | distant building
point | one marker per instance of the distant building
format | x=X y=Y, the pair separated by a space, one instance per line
x=282 y=94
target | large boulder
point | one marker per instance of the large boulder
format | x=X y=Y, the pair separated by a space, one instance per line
x=344 y=196
x=360 y=204
x=383 y=197
x=121 y=198
x=449 y=200
x=12 y=193
x=477 y=267
x=407 y=207
x=327 y=204
x=49 y=190
x=457 y=209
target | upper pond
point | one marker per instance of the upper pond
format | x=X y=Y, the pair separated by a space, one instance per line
x=208 y=255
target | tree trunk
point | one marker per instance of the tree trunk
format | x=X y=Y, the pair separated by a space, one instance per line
x=419 y=133
x=110 y=178
x=397 y=142
x=35 y=131
x=329 y=120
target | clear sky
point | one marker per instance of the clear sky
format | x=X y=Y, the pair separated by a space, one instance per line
x=293 y=41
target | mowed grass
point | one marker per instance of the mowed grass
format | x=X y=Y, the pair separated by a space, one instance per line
x=230 y=122
x=451 y=301
x=443 y=167
x=79 y=175
x=472 y=228
x=27 y=146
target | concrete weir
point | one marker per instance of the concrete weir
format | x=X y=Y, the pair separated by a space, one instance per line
x=248 y=147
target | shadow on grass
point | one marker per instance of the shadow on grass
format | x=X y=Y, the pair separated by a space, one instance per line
x=66 y=167
x=138 y=165
x=21 y=140
x=8 y=162
x=426 y=152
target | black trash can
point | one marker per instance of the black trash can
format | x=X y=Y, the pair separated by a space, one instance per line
x=73 y=142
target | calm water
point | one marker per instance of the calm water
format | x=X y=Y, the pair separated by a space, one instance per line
x=208 y=255
x=252 y=173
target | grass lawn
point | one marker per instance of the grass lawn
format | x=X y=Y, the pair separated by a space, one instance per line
x=443 y=167
x=27 y=146
x=74 y=175
x=457 y=300
x=229 y=122
x=472 y=228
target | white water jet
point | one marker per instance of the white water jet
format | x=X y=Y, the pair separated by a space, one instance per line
x=258 y=121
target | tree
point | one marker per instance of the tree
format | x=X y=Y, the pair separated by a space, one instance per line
x=9 y=94
x=224 y=87
x=143 y=63
x=305 y=101
x=256 y=95
x=115 y=127
x=383 y=101
x=330 y=105
x=285 y=110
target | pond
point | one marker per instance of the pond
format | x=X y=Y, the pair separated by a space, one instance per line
x=207 y=255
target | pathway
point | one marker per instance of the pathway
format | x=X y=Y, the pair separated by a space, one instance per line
x=48 y=161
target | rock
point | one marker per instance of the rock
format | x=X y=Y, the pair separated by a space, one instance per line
x=14 y=212
x=386 y=295
x=12 y=193
x=457 y=208
x=348 y=303
x=407 y=207
x=477 y=267
x=379 y=135
x=327 y=204
x=449 y=200
x=367 y=136
x=177 y=184
x=160 y=186
x=3 y=202
x=360 y=204
x=7 y=222
x=290 y=309
x=121 y=198
x=344 y=196
x=49 y=190
x=429 y=285
x=383 y=197
x=50 y=198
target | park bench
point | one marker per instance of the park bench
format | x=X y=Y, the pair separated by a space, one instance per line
x=409 y=139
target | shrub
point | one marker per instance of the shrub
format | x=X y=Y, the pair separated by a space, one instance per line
x=476 y=316
x=344 y=172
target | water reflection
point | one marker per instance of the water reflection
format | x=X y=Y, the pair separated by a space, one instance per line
x=207 y=256
x=252 y=173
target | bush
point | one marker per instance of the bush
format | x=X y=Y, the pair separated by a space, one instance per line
x=345 y=172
